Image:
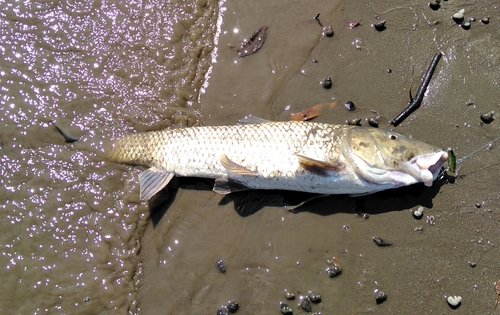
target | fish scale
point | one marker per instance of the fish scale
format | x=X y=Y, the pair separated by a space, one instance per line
x=301 y=156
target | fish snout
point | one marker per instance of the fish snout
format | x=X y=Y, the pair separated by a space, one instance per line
x=430 y=166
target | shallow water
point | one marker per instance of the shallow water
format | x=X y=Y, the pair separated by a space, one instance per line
x=76 y=238
x=71 y=224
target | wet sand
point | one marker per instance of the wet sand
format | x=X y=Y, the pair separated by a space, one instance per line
x=272 y=249
x=77 y=239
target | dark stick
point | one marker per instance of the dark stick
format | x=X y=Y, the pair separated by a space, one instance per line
x=415 y=102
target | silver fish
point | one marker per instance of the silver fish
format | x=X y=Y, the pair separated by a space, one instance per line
x=298 y=156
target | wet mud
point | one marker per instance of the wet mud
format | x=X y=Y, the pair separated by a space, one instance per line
x=76 y=238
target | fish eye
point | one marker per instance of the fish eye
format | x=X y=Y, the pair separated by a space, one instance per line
x=393 y=136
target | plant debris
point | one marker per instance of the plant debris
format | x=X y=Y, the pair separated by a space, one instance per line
x=254 y=43
x=312 y=112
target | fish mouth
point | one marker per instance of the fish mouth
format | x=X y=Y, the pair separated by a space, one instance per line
x=425 y=168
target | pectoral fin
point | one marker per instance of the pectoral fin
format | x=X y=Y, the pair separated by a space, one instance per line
x=319 y=167
x=224 y=186
x=152 y=181
x=235 y=168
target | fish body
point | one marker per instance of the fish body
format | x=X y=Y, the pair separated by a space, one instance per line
x=298 y=156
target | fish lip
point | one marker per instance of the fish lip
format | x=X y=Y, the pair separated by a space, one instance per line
x=428 y=166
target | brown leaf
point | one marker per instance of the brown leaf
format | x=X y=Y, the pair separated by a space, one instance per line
x=254 y=43
x=312 y=112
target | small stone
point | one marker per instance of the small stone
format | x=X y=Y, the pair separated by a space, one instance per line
x=285 y=309
x=333 y=271
x=488 y=117
x=389 y=70
x=306 y=304
x=435 y=5
x=315 y=298
x=289 y=295
x=373 y=121
x=454 y=301
x=232 y=307
x=459 y=16
x=354 y=122
x=349 y=105
x=328 y=31
x=418 y=213
x=327 y=83
x=485 y=20
x=380 y=296
x=466 y=25
x=478 y=205
x=379 y=26
x=220 y=266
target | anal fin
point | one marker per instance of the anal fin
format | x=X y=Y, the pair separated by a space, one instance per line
x=224 y=186
x=152 y=181
x=319 y=167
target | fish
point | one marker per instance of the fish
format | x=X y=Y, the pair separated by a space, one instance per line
x=300 y=156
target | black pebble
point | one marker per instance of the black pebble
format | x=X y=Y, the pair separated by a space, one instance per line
x=349 y=105
x=381 y=297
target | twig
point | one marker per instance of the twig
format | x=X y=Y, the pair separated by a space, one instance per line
x=415 y=102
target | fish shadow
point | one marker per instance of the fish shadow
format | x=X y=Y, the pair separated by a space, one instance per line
x=247 y=203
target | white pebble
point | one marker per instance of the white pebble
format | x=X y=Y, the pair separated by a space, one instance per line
x=459 y=15
x=419 y=212
x=454 y=300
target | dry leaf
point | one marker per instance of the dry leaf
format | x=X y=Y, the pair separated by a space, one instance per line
x=312 y=112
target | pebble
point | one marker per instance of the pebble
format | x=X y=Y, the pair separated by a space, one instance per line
x=466 y=24
x=354 y=122
x=327 y=83
x=314 y=297
x=459 y=16
x=333 y=271
x=485 y=20
x=472 y=264
x=487 y=117
x=232 y=307
x=349 y=105
x=418 y=213
x=220 y=266
x=285 y=309
x=435 y=5
x=379 y=26
x=373 y=121
x=306 y=304
x=328 y=31
x=380 y=296
x=289 y=295
x=454 y=301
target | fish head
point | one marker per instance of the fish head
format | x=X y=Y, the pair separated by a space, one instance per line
x=384 y=157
